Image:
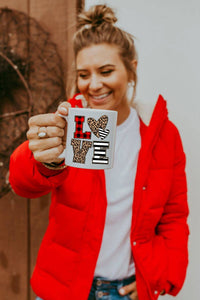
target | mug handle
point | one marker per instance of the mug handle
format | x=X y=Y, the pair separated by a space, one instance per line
x=62 y=155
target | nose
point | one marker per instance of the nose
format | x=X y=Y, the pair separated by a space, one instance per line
x=95 y=83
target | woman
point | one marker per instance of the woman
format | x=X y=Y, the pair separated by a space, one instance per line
x=122 y=233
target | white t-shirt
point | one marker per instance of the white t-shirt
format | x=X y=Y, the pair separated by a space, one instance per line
x=115 y=258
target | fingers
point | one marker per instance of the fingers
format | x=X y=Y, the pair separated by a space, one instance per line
x=47 y=148
x=48 y=155
x=43 y=144
x=52 y=131
x=133 y=296
x=63 y=108
x=130 y=290
x=47 y=120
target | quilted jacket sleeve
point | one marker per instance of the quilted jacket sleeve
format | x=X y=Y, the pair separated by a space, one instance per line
x=173 y=224
x=29 y=178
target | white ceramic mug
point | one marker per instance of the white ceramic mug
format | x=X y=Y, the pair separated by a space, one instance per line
x=90 y=140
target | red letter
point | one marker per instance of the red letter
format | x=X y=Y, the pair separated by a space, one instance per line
x=79 y=134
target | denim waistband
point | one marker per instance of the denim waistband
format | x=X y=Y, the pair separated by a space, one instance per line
x=98 y=282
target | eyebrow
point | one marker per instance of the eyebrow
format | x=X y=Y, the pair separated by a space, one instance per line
x=108 y=65
x=102 y=67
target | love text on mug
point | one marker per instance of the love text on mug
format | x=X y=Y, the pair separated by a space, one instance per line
x=81 y=141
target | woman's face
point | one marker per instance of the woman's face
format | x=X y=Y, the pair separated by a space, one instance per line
x=102 y=79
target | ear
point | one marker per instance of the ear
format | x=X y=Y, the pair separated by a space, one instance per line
x=135 y=63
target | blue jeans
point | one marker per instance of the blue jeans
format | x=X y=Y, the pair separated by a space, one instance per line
x=104 y=289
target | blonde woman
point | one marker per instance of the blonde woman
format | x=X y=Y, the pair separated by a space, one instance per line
x=120 y=233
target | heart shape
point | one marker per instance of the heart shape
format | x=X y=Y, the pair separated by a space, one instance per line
x=103 y=133
x=98 y=127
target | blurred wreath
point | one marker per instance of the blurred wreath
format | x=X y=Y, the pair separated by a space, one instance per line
x=31 y=80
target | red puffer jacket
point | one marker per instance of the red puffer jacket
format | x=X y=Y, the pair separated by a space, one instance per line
x=159 y=233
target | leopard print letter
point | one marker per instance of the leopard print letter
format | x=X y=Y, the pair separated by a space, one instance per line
x=80 y=154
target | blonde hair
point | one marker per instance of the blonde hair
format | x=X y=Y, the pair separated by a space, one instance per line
x=96 y=26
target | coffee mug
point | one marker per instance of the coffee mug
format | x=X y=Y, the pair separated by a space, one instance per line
x=90 y=139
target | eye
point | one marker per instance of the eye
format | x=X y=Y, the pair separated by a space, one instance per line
x=106 y=72
x=83 y=76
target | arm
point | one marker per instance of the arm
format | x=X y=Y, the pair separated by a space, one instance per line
x=30 y=178
x=173 y=224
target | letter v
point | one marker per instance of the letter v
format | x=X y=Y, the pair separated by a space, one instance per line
x=80 y=153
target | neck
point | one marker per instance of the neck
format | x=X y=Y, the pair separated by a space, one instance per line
x=123 y=114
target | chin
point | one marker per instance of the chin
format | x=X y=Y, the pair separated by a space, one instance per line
x=104 y=107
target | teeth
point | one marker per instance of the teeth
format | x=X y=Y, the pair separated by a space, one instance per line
x=101 y=96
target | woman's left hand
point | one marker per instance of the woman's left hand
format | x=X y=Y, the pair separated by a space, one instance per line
x=130 y=290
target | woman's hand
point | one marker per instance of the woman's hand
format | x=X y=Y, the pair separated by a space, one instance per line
x=48 y=148
x=130 y=290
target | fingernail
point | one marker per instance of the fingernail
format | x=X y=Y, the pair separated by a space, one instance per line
x=122 y=291
x=63 y=109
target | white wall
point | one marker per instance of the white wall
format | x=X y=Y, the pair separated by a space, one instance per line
x=168 y=46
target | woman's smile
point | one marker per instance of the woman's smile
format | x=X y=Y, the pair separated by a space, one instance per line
x=100 y=99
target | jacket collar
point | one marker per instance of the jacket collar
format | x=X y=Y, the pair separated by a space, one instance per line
x=148 y=110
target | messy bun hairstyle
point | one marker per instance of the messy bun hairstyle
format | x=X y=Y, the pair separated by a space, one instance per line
x=97 y=26
x=96 y=16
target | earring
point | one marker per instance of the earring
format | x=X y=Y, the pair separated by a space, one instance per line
x=131 y=83
x=130 y=90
